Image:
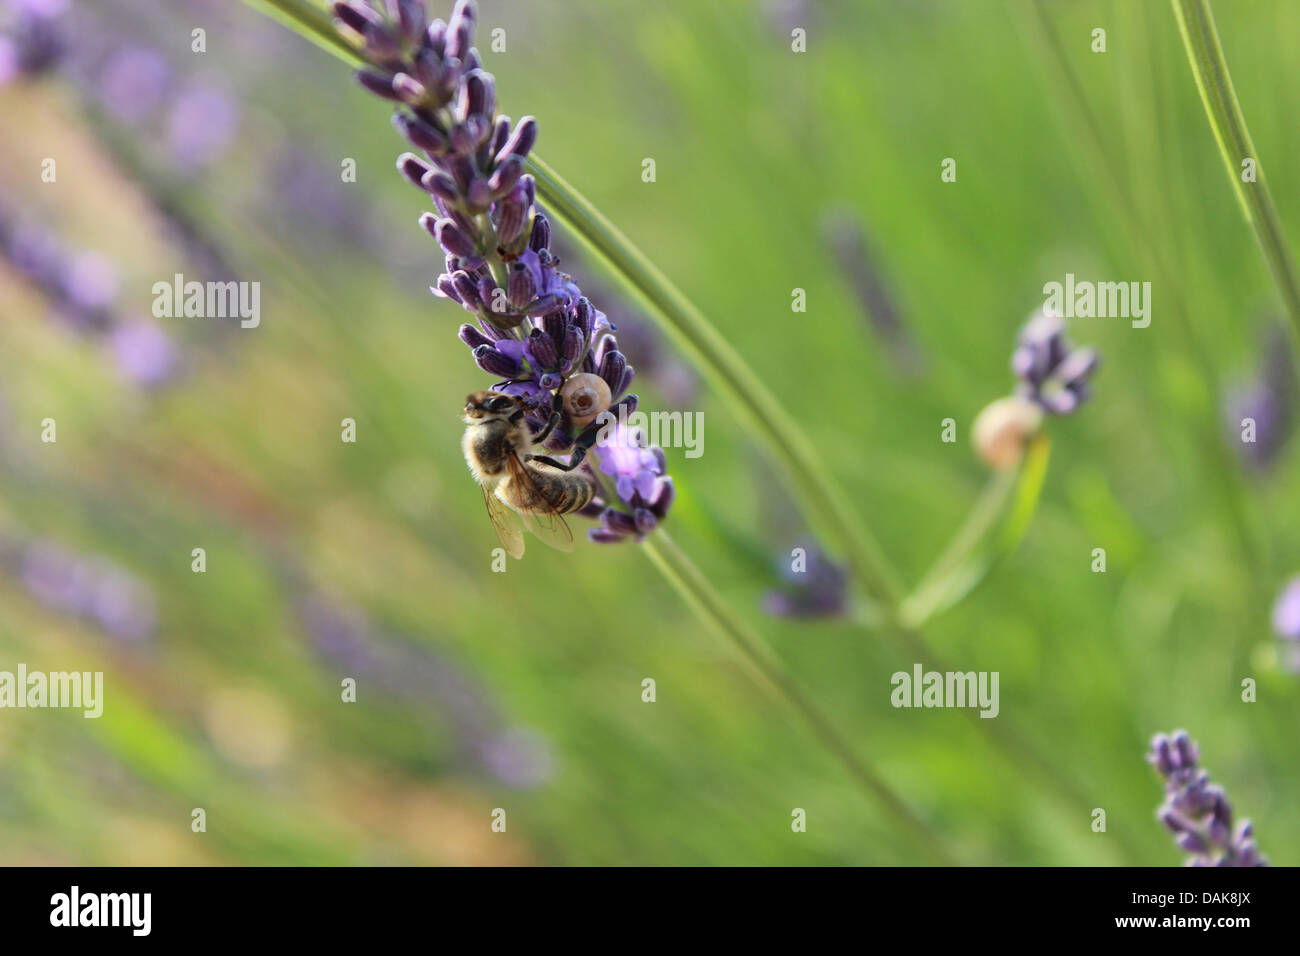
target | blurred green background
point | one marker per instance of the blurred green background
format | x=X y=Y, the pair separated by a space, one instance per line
x=522 y=690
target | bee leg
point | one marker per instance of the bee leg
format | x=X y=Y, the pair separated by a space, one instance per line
x=545 y=433
x=579 y=453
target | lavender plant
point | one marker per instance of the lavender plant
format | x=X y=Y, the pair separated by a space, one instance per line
x=1196 y=811
x=534 y=331
x=487 y=222
x=1268 y=401
x=344 y=637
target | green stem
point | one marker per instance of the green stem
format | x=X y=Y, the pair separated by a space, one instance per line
x=825 y=504
x=697 y=591
x=312 y=21
x=1210 y=69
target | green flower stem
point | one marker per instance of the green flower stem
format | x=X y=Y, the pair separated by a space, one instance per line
x=1210 y=69
x=993 y=529
x=312 y=21
x=825 y=505
x=699 y=593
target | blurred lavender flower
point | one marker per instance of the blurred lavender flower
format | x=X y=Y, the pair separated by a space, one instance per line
x=816 y=588
x=1053 y=374
x=1197 y=812
x=1286 y=612
x=534 y=330
x=144 y=352
x=1269 y=402
x=88 y=587
x=1286 y=624
x=133 y=84
x=346 y=639
x=201 y=125
x=857 y=263
x=82 y=287
x=30 y=37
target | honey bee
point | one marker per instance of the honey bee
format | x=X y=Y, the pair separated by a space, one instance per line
x=538 y=489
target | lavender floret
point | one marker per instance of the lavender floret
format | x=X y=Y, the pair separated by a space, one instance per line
x=1196 y=811
x=1053 y=374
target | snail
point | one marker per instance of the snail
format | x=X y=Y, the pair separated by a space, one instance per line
x=585 y=396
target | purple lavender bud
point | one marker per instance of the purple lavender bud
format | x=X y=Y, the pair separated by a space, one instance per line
x=439 y=184
x=645 y=520
x=540 y=238
x=624 y=407
x=521 y=141
x=446 y=288
x=379 y=83
x=521 y=287
x=411 y=19
x=604 y=536
x=487 y=292
x=435 y=37
x=544 y=304
x=500 y=133
x=664 y=498
x=505 y=177
x=618 y=522
x=555 y=324
x=473 y=337
x=449 y=236
x=408 y=89
x=496 y=363
x=358 y=17
x=466 y=288
x=414 y=169
x=466 y=136
x=629 y=373
x=541 y=351
x=477 y=96
x=571 y=349
x=612 y=368
x=434 y=75
x=479 y=194
x=382 y=44
x=460 y=29
x=421 y=134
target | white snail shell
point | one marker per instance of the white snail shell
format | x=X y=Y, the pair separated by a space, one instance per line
x=1002 y=430
x=585 y=396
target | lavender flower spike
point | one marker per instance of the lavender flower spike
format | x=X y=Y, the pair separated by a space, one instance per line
x=1052 y=373
x=536 y=332
x=1196 y=811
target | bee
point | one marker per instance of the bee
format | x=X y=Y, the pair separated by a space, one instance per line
x=537 y=488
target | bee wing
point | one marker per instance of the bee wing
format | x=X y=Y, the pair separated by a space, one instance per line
x=545 y=522
x=506 y=524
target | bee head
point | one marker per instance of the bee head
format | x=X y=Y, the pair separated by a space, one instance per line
x=486 y=406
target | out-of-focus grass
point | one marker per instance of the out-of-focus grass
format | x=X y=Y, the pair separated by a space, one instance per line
x=753 y=144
